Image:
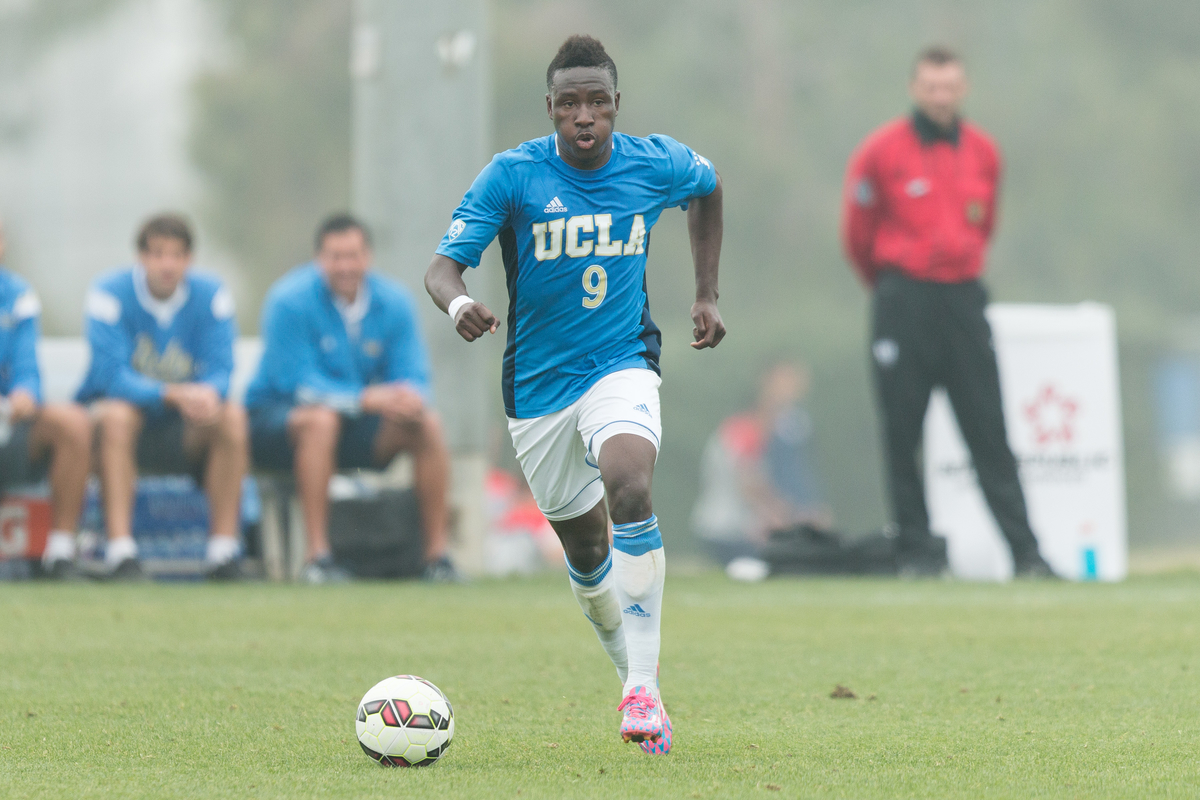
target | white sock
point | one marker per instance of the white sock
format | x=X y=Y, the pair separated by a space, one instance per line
x=118 y=550
x=597 y=596
x=641 y=570
x=221 y=549
x=60 y=546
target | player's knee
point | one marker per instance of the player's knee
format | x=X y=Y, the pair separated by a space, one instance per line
x=235 y=424
x=75 y=426
x=430 y=427
x=586 y=556
x=118 y=420
x=629 y=499
x=67 y=423
x=316 y=422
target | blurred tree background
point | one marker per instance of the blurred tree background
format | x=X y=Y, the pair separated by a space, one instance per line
x=272 y=133
x=1094 y=104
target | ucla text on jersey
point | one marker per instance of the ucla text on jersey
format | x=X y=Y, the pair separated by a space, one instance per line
x=574 y=245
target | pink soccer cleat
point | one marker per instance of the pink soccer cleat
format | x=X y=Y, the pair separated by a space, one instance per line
x=662 y=745
x=643 y=720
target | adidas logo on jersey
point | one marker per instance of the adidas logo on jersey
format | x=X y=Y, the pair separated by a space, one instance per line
x=637 y=611
x=555 y=206
x=643 y=408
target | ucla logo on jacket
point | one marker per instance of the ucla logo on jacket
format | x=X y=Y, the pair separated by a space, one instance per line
x=173 y=365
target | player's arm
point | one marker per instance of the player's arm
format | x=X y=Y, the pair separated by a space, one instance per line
x=484 y=210
x=861 y=213
x=444 y=282
x=705 y=229
x=25 y=379
x=995 y=176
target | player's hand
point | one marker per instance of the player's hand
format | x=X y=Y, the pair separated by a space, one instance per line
x=474 y=320
x=196 y=402
x=394 y=401
x=21 y=405
x=709 y=330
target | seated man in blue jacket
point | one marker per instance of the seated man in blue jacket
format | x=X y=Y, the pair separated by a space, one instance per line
x=34 y=437
x=344 y=383
x=162 y=353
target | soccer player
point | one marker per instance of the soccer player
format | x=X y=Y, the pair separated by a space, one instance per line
x=574 y=211
x=37 y=437
x=344 y=383
x=162 y=353
x=918 y=212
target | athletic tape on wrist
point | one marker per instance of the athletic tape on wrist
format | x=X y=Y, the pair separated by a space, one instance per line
x=456 y=305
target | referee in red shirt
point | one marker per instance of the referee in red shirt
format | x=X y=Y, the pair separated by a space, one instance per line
x=920 y=206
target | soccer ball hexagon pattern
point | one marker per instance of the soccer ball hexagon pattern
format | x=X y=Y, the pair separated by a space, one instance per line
x=404 y=721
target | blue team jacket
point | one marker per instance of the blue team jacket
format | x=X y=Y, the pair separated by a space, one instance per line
x=310 y=357
x=19 y=330
x=140 y=344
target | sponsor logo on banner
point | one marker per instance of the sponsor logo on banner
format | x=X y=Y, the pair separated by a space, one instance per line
x=1052 y=416
x=1045 y=436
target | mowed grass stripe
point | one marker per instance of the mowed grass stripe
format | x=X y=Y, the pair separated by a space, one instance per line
x=963 y=690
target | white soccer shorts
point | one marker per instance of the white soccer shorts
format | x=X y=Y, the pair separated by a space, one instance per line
x=559 y=452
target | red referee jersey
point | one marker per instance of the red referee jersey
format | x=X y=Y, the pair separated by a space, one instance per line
x=921 y=200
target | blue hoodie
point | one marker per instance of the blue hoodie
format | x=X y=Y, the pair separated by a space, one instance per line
x=20 y=314
x=310 y=355
x=140 y=343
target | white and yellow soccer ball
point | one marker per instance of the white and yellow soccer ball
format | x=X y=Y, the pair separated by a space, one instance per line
x=405 y=721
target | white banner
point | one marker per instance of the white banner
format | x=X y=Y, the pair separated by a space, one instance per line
x=1058 y=373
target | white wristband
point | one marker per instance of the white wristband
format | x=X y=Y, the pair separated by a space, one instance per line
x=456 y=305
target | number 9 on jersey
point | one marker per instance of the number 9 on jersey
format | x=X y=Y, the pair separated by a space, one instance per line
x=595 y=283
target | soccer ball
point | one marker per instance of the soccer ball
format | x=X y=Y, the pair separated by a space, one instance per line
x=405 y=721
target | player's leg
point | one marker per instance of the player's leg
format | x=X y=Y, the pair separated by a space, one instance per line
x=62 y=434
x=569 y=492
x=589 y=568
x=119 y=425
x=314 y=431
x=223 y=448
x=619 y=420
x=904 y=370
x=627 y=466
x=424 y=439
x=973 y=385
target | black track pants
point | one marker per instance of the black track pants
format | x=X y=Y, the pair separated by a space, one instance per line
x=932 y=334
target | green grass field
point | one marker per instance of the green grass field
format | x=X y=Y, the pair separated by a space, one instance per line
x=963 y=690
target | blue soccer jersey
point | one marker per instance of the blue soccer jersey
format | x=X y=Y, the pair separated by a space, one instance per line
x=574 y=246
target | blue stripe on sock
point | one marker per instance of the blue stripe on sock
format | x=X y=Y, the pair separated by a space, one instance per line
x=632 y=528
x=589 y=578
x=637 y=538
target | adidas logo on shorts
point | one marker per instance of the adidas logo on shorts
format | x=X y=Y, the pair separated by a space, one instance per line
x=555 y=206
x=642 y=407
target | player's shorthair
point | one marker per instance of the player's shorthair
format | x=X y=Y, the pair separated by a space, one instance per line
x=939 y=55
x=581 y=51
x=165 y=226
x=340 y=223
